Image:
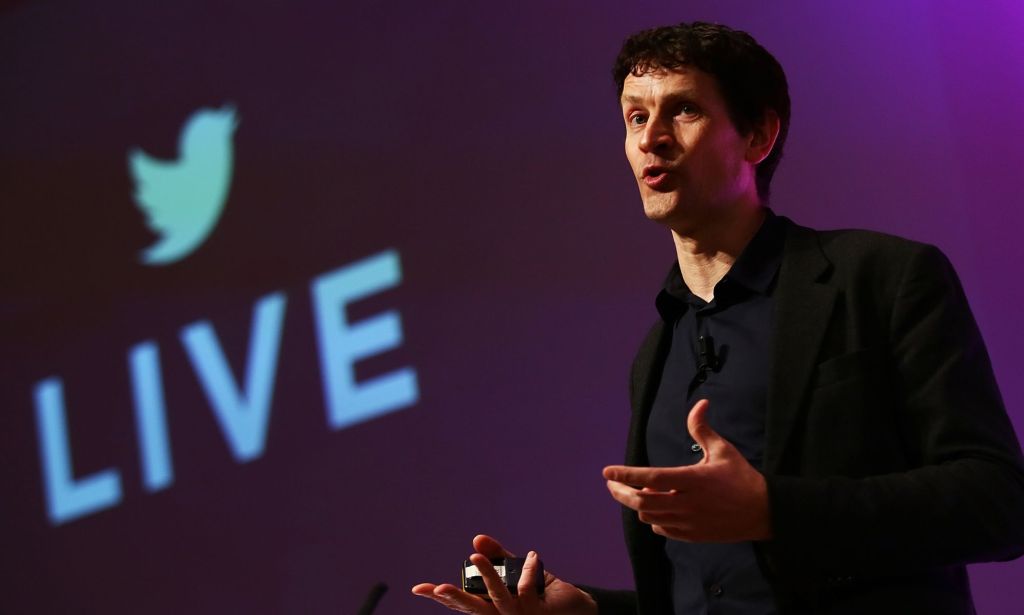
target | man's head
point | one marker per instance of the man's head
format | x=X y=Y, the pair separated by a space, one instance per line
x=750 y=81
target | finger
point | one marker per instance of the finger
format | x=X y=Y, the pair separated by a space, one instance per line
x=489 y=547
x=452 y=597
x=458 y=600
x=660 y=502
x=634 y=476
x=423 y=589
x=659 y=479
x=500 y=597
x=664 y=518
x=647 y=500
x=681 y=533
x=624 y=494
x=528 y=581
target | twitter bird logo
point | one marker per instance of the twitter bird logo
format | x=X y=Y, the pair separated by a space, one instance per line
x=183 y=199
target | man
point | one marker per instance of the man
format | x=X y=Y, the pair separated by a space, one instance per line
x=846 y=448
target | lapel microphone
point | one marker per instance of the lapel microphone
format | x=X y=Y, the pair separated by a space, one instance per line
x=706 y=358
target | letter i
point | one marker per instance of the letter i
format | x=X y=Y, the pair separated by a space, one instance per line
x=150 y=416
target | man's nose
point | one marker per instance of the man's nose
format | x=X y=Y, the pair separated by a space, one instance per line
x=657 y=135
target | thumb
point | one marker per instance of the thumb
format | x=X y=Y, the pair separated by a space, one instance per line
x=700 y=430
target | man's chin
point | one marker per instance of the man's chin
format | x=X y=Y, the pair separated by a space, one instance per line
x=660 y=210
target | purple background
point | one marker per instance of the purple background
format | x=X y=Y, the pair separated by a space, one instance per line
x=483 y=142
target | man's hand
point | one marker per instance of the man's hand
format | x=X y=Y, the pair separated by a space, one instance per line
x=559 y=597
x=721 y=499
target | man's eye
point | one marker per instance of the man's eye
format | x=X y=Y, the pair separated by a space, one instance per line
x=688 y=109
x=637 y=120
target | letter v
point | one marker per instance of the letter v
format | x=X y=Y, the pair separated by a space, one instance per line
x=243 y=416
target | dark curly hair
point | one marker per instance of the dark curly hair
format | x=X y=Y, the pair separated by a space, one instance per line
x=750 y=79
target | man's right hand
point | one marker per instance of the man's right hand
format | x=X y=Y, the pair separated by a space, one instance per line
x=559 y=598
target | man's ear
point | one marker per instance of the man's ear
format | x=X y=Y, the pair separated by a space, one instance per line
x=762 y=137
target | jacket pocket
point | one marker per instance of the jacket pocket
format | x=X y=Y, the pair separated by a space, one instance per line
x=850 y=366
x=850 y=428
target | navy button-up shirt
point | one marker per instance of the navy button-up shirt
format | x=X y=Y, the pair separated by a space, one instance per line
x=732 y=373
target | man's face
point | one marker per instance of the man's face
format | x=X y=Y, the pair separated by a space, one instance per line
x=686 y=155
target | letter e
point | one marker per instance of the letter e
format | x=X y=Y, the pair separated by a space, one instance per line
x=342 y=343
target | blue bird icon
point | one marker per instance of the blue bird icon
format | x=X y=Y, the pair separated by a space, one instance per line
x=183 y=199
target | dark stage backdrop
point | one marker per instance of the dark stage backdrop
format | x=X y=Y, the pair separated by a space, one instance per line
x=402 y=303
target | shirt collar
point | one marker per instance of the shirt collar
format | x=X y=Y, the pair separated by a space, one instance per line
x=754 y=271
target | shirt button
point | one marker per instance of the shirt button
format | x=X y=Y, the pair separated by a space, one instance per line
x=716 y=590
x=696 y=448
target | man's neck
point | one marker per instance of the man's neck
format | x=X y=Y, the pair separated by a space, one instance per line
x=708 y=252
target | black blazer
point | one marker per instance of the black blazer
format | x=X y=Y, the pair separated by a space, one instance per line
x=889 y=457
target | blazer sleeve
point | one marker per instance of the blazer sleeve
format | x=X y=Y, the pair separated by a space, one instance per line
x=961 y=500
x=612 y=601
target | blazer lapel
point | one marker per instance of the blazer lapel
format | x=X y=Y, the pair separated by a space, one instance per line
x=643 y=386
x=803 y=307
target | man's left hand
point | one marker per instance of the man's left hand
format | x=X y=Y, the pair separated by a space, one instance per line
x=720 y=499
